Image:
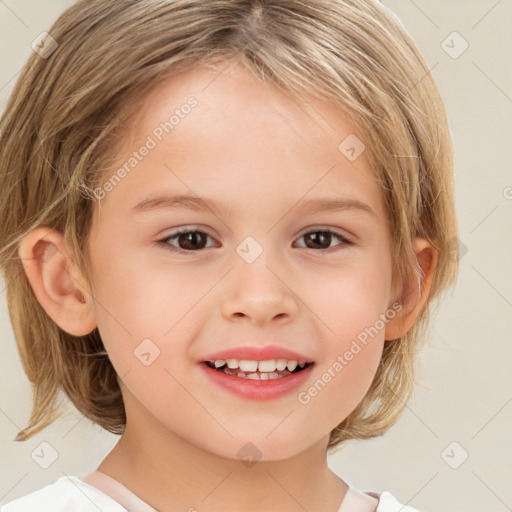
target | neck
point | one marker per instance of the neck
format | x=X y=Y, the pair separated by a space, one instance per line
x=170 y=474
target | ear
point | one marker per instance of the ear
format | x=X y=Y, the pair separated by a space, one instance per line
x=55 y=282
x=414 y=292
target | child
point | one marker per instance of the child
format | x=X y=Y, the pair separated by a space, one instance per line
x=263 y=129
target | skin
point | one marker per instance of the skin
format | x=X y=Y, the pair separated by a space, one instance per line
x=255 y=150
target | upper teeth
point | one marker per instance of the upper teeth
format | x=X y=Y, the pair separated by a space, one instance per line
x=270 y=365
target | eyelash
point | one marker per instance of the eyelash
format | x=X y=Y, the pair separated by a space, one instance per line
x=164 y=242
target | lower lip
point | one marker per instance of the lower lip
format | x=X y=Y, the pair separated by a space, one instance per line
x=258 y=389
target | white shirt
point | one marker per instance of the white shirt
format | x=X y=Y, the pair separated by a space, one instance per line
x=98 y=491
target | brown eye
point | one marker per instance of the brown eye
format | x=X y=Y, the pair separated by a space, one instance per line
x=322 y=239
x=186 y=241
x=192 y=240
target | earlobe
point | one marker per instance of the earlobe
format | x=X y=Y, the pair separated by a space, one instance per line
x=58 y=290
x=415 y=291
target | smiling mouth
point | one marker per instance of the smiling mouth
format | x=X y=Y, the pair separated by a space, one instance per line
x=258 y=370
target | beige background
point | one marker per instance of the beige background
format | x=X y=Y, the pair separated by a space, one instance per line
x=467 y=364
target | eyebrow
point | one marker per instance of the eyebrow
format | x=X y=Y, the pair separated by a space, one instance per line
x=203 y=204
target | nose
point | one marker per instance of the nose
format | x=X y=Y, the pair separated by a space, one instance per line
x=258 y=294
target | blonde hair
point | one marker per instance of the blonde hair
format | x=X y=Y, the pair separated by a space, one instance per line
x=67 y=108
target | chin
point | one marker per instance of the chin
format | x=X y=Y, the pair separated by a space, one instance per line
x=249 y=450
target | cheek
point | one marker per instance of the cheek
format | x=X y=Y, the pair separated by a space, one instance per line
x=147 y=313
x=140 y=298
x=341 y=383
x=349 y=297
x=350 y=301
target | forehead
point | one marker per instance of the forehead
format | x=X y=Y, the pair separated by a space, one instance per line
x=244 y=136
x=240 y=104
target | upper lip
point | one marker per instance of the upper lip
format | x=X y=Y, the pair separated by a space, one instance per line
x=254 y=353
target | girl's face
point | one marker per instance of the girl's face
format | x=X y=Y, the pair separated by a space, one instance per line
x=268 y=264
